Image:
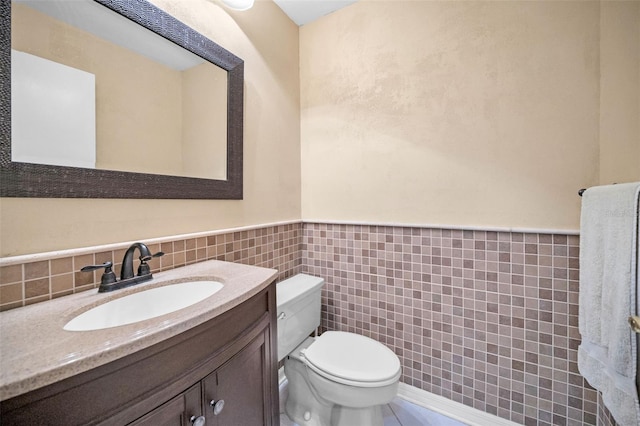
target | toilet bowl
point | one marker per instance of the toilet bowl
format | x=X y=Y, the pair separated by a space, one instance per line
x=338 y=378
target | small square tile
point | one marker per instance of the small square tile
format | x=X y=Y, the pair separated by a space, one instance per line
x=61 y=266
x=11 y=293
x=35 y=270
x=36 y=288
x=11 y=274
x=61 y=283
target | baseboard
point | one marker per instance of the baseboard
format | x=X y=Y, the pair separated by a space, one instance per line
x=449 y=408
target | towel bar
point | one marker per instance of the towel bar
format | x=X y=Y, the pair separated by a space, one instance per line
x=581 y=190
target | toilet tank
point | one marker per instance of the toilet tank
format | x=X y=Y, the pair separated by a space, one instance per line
x=298 y=300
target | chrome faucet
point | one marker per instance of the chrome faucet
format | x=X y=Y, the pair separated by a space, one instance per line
x=109 y=282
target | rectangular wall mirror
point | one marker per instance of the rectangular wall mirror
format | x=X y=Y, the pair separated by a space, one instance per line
x=116 y=99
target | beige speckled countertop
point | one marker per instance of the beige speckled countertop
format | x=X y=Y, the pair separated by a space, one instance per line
x=35 y=350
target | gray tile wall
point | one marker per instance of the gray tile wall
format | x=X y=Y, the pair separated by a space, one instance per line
x=488 y=319
x=604 y=416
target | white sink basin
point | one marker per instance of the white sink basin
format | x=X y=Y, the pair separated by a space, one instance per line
x=143 y=305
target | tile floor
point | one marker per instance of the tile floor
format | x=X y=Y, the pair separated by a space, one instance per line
x=403 y=413
x=397 y=413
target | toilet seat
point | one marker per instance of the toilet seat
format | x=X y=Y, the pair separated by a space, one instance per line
x=352 y=359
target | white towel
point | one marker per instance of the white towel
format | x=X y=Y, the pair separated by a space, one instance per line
x=607 y=356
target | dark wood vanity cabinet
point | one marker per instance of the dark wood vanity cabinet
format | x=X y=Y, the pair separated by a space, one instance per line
x=240 y=385
x=231 y=358
x=176 y=412
x=234 y=394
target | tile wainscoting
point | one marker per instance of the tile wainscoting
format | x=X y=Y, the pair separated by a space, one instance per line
x=485 y=318
x=604 y=415
x=36 y=278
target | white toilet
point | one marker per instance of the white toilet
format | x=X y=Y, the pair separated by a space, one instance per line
x=338 y=378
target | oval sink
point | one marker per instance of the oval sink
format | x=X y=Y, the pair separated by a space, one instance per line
x=143 y=305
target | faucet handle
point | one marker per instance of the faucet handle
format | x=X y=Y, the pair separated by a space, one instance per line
x=108 y=277
x=149 y=257
x=106 y=265
x=144 y=268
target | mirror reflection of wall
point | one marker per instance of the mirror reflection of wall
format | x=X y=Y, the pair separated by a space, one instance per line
x=161 y=118
x=62 y=101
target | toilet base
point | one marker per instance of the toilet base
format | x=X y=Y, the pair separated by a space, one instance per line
x=345 y=416
x=306 y=408
x=302 y=406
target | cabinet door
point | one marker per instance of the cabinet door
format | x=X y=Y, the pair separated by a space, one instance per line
x=242 y=383
x=177 y=412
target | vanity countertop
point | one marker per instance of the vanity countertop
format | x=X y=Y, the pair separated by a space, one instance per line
x=35 y=350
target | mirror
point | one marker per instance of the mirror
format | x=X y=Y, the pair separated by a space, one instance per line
x=193 y=149
x=85 y=81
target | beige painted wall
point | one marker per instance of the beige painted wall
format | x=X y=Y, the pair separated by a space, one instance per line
x=477 y=113
x=204 y=122
x=619 y=91
x=268 y=42
x=462 y=113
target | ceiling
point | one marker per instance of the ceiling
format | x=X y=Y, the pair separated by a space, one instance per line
x=304 y=11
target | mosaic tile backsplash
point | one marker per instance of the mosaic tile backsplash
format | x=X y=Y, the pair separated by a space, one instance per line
x=272 y=247
x=487 y=319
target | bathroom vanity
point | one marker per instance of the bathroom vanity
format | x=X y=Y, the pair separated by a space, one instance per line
x=212 y=363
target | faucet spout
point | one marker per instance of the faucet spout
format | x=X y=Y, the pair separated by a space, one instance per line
x=127 y=261
x=109 y=282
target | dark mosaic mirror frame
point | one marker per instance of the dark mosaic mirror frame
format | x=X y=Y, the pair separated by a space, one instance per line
x=45 y=181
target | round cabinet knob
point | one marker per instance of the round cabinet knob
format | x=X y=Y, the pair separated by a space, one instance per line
x=198 y=421
x=217 y=406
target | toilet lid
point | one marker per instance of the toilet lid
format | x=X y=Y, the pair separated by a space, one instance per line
x=347 y=357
